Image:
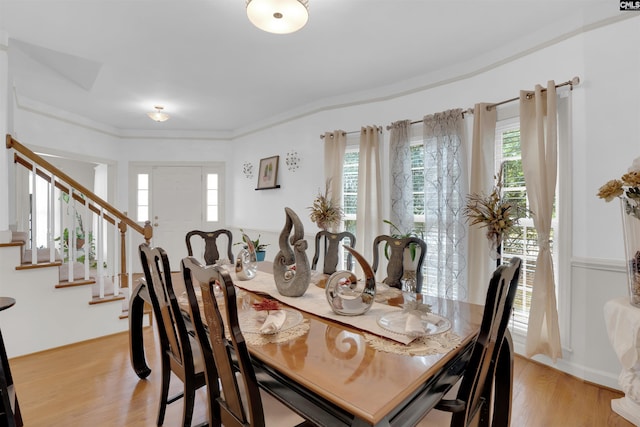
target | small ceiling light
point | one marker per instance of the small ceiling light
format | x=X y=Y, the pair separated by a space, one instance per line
x=158 y=115
x=278 y=16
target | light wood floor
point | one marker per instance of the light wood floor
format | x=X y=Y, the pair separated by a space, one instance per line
x=92 y=384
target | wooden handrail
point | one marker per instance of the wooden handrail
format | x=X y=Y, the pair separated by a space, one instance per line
x=115 y=213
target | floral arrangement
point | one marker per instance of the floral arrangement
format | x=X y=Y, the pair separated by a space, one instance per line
x=627 y=188
x=495 y=212
x=326 y=213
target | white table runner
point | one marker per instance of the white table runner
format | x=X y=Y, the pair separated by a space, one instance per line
x=315 y=302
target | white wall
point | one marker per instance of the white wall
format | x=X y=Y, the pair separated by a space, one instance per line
x=606 y=111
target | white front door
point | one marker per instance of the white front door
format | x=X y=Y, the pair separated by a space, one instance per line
x=177 y=208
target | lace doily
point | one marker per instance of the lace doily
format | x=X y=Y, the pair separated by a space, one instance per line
x=424 y=346
x=280 y=337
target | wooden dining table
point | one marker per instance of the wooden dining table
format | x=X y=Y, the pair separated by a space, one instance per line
x=334 y=377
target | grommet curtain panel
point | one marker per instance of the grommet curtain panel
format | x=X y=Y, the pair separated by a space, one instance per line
x=445 y=189
x=481 y=265
x=401 y=213
x=539 y=145
x=335 y=145
x=369 y=208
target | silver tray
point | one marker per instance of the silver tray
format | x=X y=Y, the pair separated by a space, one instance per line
x=251 y=321
x=395 y=322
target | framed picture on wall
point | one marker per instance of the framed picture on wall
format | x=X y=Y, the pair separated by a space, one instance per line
x=268 y=173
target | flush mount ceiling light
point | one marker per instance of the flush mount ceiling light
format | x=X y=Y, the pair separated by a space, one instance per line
x=158 y=115
x=278 y=16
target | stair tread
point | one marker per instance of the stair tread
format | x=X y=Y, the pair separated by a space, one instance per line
x=28 y=265
x=107 y=298
x=80 y=282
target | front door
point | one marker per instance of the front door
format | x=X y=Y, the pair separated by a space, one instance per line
x=177 y=207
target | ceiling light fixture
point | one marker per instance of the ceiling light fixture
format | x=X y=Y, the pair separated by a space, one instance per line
x=158 y=115
x=278 y=16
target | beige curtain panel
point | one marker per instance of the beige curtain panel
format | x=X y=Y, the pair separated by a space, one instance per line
x=539 y=144
x=335 y=145
x=481 y=265
x=369 y=209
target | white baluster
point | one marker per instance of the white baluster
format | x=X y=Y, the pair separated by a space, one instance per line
x=71 y=238
x=87 y=240
x=99 y=252
x=115 y=263
x=51 y=215
x=129 y=261
x=34 y=216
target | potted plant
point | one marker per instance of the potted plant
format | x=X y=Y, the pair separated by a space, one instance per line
x=259 y=247
x=396 y=233
x=83 y=240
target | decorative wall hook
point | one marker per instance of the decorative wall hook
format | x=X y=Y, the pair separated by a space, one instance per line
x=293 y=160
x=247 y=170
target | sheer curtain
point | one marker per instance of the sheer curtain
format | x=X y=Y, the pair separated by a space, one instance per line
x=369 y=208
x=481 y=265
x=445 y=191
x=401 y=213
x=335 y=145
x=539 y=144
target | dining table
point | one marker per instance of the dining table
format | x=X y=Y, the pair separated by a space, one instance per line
x=336 y=374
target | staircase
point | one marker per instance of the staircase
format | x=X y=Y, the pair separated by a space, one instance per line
x=75 y=286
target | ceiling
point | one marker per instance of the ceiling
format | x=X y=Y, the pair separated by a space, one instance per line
x=111 y=61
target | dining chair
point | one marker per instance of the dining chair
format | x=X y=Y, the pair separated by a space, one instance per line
x=401 y=253
x=234 y=397
x=211 y=252
x=180 y=351
x=330 y=243
x=484 y=393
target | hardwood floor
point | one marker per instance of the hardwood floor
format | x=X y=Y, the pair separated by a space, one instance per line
x=92 y=384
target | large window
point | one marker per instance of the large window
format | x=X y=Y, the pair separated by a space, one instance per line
x=523 y=240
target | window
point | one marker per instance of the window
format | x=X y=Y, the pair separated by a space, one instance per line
x=523 y=240
x=143 y=197
x=212 y=197
x=350 y=188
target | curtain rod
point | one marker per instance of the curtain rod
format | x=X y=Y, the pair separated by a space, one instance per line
x=354 y=131
x=467 y=111
x=573 y=82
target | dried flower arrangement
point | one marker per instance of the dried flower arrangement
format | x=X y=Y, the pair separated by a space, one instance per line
x=627 y=188
x=326 y=212
x=494 y=211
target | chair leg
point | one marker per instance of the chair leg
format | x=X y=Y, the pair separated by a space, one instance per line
x=189 y=402
x=164 y=389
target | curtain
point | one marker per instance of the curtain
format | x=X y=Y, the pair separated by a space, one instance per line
x=539 y=144
x=445 y=190
x=369 y=208
x=401 y=213
x=335 y=145
x=481 y=265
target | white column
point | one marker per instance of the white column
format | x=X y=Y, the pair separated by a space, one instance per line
x=5 y=234
x=623 y=327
